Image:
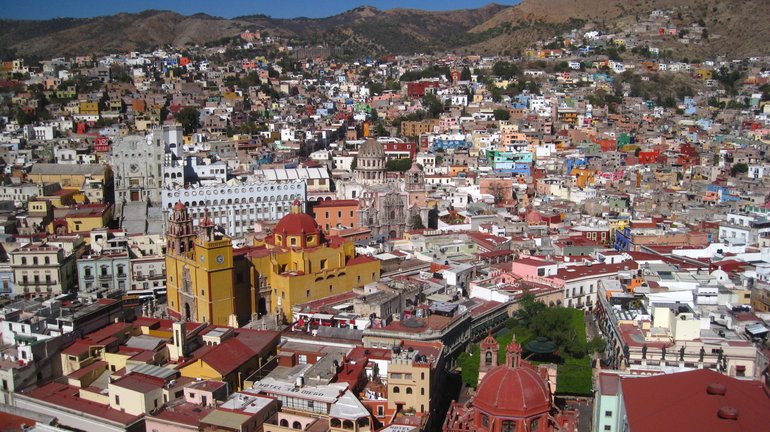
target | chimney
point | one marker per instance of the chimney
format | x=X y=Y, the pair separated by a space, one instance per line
x=178 y=348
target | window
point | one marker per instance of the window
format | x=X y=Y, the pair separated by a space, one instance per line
x=307 y=293
x=380 y=410
x=484 y=420
x=408 y=390
x=509 y=426
x=534 y=424
x=396 y=390
x=608 y=413
x=117 y=400
x=607 y=427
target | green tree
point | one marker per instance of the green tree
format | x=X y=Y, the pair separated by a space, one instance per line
x=433 y=107
x=505 y=70
x=189 y=118
x=529 y=307
x=465 y=74
x=401 y=165
x=375 y=88
x=417 y=222
x=739 y=168
x=501 y=114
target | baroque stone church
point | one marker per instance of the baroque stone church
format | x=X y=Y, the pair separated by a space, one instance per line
x=386 y=206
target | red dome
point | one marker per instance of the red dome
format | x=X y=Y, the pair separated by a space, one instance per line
x=513 y=392
x=295 y=224
x=179 y=206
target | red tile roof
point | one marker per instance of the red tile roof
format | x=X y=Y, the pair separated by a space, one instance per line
x=361 y=259
x=13 y=423
x=337 y=203
x=68 y=397
x=681 y=402
x=139 y=383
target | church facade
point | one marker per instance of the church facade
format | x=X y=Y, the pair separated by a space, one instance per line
x=209 y=281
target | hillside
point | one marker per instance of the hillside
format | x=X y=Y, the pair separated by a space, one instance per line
x=365 y=29
x=737 y=28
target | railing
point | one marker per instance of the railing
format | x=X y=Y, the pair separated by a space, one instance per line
x=35 y=283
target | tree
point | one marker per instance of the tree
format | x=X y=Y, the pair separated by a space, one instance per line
x=505 y=70
x=417 y=222
x=501 y=114
x=401 y=165
x=528 y=308
x=189 y=118
x=354 y=164
x=739 y=168
x=465 y=74
x=433 y=107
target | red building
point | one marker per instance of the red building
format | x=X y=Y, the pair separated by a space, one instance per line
x=648 y=157
x=512 y=397
x=395 y=150
x=102 y=144
x=416 y=89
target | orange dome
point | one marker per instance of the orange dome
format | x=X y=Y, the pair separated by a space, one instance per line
x=296 y=224
x=513 y=392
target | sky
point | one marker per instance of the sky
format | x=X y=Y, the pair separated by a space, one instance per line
x=47 y=9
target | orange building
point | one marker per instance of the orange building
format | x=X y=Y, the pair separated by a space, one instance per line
x=336 y=213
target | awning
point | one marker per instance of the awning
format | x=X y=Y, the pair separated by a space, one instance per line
x=756 y=329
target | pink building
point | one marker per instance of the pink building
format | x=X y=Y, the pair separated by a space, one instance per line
x=533 y=268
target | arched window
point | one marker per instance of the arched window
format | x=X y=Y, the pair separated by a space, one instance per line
x=488 y=359
x=396 y=390
x=534 y=425
x=509 y=426
x=284 y=423
x=408 y=390
x=296 y=425
x=335 y=422
x=24 y=260
x=347 y=424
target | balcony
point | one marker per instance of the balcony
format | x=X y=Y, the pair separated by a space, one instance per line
x=36 y=283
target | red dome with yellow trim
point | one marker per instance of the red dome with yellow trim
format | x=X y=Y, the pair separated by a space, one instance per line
x=297 y=229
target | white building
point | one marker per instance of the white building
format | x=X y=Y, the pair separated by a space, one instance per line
x=237 y=207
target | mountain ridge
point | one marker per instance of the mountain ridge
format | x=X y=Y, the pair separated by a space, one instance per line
x=736 y=26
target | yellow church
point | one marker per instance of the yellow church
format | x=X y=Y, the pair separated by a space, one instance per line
x=208 y=281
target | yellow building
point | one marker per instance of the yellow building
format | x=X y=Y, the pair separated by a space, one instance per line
x=208 y=282
x=89 y=108
x=79 y=219
x=76 y=178
x=299 y=265
x=200 y=282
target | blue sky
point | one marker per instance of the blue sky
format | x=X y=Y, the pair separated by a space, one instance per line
x=45 y=9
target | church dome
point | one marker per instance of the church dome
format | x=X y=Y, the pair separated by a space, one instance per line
x=295 y=224
x=513 y=392
x=371 y=149
x=297 y=229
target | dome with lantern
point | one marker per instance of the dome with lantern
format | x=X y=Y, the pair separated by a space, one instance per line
x=297 y=229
